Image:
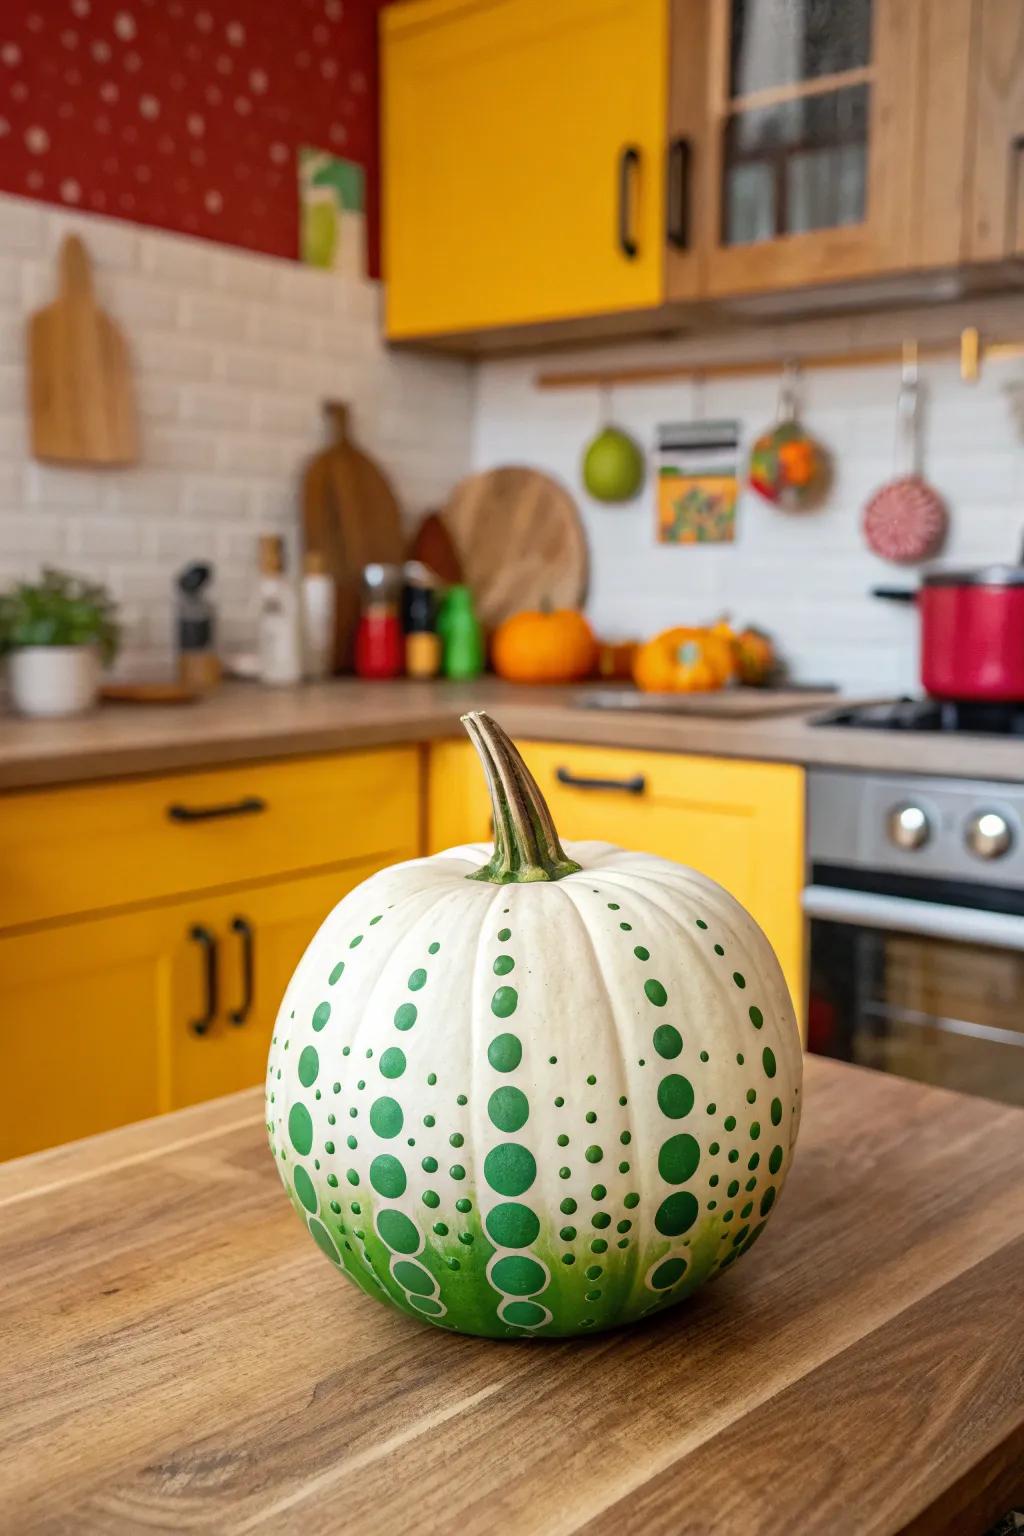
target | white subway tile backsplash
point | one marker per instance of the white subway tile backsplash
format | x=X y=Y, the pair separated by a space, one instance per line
x=104 y=538
x=12 y=489
x=280 y=413
x=32 y=535
x=22 y=226
x=52 y=485
x=176 y=448
x=10 y=280
x=157 y=399
x=12 y=389
x=220 y=497
x=251 y=455
x=233 y=355
x=271 y=326
x=139 y=302
x=177 y=258
x=214 y=315
x=148 y=492
x=211 y=405
x=245 y=274
x=805 y=576
x=164 y=352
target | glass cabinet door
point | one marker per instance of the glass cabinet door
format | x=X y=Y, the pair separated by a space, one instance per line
x=811 y=116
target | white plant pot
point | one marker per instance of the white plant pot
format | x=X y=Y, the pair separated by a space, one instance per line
x=50 y=680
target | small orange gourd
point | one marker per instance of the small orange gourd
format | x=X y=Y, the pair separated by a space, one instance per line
x=534 y=647
x=686 y=661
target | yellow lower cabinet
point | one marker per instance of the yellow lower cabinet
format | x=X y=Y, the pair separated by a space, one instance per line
x=83 y=1005
x=116 y=1018
x=738 y=821
x=220 y=1023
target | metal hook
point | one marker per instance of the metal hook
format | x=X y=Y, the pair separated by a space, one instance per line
x=788 y=390
x=909 y=364
x=605 y=406
x=907 y=412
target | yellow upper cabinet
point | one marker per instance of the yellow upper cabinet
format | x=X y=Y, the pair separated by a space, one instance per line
x=524 y=161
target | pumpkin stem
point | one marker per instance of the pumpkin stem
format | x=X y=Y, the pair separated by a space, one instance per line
x=526 y=845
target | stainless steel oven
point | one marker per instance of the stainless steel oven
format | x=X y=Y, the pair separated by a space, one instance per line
x=916 y=907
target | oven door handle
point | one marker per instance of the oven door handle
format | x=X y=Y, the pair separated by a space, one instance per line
x=866 y=909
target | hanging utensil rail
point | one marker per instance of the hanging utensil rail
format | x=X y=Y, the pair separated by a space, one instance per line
x=971 y=349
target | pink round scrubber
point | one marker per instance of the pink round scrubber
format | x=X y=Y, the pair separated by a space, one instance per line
x=905 y=520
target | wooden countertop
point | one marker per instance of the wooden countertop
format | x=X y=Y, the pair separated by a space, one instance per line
x=244 y=722
x=178 y=1356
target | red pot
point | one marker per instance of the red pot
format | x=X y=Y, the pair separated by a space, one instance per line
x=972 y=632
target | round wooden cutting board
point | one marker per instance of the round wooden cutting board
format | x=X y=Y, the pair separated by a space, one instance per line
x=520 y=542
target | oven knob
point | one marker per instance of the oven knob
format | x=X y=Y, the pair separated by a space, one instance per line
x=988 y=835
x=909 y=827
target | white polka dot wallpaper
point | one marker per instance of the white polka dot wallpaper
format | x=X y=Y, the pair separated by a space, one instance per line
x=187 y=115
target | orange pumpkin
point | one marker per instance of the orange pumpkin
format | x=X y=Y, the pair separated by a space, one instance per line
x=756 y=657
x=686 y=661
x=556 y=647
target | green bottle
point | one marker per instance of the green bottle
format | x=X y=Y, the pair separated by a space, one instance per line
x=460 y=635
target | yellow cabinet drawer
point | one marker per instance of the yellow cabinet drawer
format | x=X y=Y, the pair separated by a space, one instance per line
x=76 y=850
x=738 y=821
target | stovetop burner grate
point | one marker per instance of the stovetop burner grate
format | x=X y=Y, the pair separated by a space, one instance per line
x=968 y=717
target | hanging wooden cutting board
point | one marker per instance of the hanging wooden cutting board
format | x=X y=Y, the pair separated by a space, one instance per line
x=81 y=403
x=351 y=516
x=520 y=542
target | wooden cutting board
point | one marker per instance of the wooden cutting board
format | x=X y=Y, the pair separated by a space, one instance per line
x=432 y=546
x=81 y=402
x=725 y=703
x=520 y=542
x=351 y=515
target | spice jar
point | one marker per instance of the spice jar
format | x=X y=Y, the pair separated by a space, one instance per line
x=419 y=620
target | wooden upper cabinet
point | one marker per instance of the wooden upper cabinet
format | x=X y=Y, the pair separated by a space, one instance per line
x=524 y=161
x=995 y=200
x=810 y=141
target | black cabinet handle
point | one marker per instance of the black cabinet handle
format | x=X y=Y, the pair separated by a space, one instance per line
x=242 y=928
x=251 y=805
x=634 y=786
x=629 y=162
x=202 y=936
x=680 y=154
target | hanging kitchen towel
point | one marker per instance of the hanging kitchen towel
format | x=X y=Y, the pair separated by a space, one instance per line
x=697 y=481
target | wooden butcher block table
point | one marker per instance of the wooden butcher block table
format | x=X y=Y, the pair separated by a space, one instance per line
x=175 y=1354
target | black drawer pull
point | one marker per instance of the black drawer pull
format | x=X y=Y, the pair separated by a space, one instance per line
x=629 y=164
x=240 y=926
x=634 y=786
x=200 y=935
x=251 y=805
x=679 y=156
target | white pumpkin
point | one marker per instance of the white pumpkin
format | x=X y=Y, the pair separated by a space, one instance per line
x=544 y=1097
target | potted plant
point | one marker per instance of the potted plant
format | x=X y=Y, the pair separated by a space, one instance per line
x=58 y=633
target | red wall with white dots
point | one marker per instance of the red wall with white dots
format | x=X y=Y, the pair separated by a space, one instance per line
x=186 y=114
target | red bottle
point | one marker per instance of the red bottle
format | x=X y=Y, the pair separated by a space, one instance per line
x=379 y=641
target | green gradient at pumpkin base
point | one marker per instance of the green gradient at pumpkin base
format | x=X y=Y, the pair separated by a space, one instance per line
x=471 y=1301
